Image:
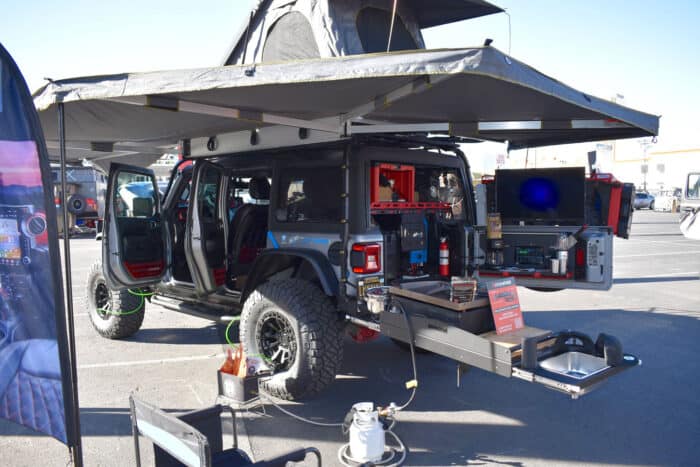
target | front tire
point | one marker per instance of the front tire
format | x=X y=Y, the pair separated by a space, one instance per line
x=651 y=206
x=293 y=326
x=115 y=314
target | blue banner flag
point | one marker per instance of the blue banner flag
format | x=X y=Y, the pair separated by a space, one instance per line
x=35 y=372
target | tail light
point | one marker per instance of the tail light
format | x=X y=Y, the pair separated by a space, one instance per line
x=56 y=200
x=92 y=204
x=365 y=258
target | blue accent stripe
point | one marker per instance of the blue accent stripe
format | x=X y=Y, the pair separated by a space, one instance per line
x=272 y=240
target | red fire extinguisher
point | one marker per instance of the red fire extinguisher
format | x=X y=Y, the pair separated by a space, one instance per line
x=444 y=257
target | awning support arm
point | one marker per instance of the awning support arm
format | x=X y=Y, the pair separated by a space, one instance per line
x=264 y=118
x=414 y=87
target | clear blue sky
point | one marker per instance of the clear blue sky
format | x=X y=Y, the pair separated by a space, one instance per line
x=646 y=50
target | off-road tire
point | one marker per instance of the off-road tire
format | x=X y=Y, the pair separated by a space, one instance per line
x=112 y=326
x=317 y=329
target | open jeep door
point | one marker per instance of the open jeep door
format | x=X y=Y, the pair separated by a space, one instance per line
x=133 y=247
x=205 y=240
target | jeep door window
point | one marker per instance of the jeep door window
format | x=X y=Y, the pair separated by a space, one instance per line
x=134 y=197
x=309 y=195
x=208 y=191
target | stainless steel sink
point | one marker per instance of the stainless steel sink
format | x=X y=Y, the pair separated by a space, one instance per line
x=574 y=364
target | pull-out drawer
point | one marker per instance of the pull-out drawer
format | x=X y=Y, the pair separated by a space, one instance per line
x=566 y=361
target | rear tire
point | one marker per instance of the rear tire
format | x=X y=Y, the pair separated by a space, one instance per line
x=115 y=314
x=295 y=328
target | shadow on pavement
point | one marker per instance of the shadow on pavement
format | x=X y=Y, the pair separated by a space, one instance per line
x=679 y=234
x=94 y=421
x=645 y=416
x=182 y=336
x=644 y=280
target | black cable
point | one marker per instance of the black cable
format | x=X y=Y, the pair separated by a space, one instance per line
x=409 y=327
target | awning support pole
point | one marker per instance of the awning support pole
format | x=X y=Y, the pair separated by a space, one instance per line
x=380 y=102
x=77 y=449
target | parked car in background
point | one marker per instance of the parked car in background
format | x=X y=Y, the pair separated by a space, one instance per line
x=668 y=200
x=690 y=200
x=643 y=201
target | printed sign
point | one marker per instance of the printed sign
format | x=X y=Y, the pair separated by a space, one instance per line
x=505 y=305
x=35 y=383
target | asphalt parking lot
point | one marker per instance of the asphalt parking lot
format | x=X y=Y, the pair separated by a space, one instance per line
x=647 y=416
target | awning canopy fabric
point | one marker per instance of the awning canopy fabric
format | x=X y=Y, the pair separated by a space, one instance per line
x=480 y=92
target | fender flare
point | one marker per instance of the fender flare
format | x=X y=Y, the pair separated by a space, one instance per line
x=263 y=267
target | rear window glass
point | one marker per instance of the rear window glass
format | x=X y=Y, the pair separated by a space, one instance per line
x=309 y=195
x=419 y=184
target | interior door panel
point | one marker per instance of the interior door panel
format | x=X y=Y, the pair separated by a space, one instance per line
x=134 y=247
x=205 y=244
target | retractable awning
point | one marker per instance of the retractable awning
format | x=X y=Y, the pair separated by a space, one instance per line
x=477 y=93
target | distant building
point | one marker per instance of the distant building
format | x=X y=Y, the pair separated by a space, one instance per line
x=669 y=169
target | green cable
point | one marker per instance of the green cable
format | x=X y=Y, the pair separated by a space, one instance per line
x=228 y=328
x=234 y=346
x=140 y=294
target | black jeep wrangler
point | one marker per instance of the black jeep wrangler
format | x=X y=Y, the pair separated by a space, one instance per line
x=289 y=241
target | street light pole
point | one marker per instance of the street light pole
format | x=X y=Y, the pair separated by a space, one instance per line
x=645 y=166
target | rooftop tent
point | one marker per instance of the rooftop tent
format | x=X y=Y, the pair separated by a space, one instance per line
x=437 y=12
x=293 y=29
x=477 y=93
x=373 y=26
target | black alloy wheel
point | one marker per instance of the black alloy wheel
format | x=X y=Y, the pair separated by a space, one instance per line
x=278 y=343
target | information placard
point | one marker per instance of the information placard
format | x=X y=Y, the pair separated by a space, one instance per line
x=505 y=305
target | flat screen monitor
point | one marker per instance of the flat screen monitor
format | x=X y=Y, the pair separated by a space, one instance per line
x=541 y=196
x=10 y=241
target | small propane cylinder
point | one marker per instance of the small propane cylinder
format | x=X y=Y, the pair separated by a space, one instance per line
x=367 y=438
x=444 y=257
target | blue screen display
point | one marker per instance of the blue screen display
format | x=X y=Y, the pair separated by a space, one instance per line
x=539 y=194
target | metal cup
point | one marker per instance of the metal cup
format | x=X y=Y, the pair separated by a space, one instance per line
x=555 y=266
x=563 y=257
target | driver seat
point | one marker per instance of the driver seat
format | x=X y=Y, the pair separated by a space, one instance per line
x=248 y=229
